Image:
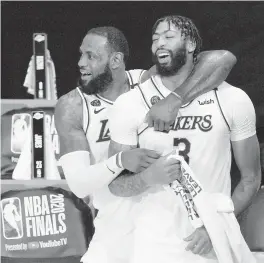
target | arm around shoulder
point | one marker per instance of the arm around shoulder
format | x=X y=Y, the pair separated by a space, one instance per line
x=218 y=57
x=210 y=70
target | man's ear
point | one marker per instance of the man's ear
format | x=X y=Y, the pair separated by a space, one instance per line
x=190 y=45
x=116 y=60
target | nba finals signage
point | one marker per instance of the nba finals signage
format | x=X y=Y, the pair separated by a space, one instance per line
x=39 y=223
x=17 y=124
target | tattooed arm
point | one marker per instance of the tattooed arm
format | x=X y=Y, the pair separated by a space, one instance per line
x=127 y=183
x=152 y=171
x=82 y=175
x=126 y=115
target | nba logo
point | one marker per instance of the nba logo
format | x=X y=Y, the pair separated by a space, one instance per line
x=12 y=225
x=20 y=129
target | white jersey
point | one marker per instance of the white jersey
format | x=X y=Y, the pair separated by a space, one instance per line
x=95 y=119
x=202 y=133
x=111 y=242
x=95 y=125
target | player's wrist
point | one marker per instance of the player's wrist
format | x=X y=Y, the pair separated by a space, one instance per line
x=125 y=159
x=175 y=100
x=114 y=163
x=147 y=177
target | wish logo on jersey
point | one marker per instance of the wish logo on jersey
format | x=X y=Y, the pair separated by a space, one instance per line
x=20 y=130
x=12 y=225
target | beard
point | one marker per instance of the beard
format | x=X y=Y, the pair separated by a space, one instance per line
x=178 y=60
x=98 y=84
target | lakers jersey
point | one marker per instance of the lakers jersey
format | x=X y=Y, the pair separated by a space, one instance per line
x=95 y=119
x=95 y=125
x=201 y=133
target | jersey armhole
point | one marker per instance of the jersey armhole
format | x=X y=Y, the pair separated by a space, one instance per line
x=221 y=110
x=86 y=118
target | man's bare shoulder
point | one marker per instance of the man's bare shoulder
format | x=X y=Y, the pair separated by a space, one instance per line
x=68 y=109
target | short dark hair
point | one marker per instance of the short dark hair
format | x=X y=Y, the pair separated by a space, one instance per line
x=187 y=27
x=115 y=38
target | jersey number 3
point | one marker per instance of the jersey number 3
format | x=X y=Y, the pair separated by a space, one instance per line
x=187 y=147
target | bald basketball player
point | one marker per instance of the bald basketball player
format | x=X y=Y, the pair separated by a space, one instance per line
x=81 y=118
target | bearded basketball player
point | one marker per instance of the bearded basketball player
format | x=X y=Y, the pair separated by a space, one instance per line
x=81 y=118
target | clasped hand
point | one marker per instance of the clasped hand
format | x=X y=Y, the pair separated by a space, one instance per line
x=159 y=170
x=163 y=114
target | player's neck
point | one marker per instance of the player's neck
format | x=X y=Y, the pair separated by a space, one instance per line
x=119 y=86
x=173 y=82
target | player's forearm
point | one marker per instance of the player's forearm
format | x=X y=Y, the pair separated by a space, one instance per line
x=85 y=179
x=210 y=71
x=128 y=184
x=245 y=191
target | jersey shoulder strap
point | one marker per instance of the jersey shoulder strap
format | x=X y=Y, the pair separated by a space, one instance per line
x=216 y=91
x=134 y=77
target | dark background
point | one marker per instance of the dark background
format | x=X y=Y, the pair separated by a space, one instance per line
x=235 y=26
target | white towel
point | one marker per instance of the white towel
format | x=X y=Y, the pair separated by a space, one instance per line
x=29 y=82
x=23 y=169
x=216 y=211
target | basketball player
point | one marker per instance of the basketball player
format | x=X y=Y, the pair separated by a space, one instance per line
x=203 y=133
x=81 y=118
